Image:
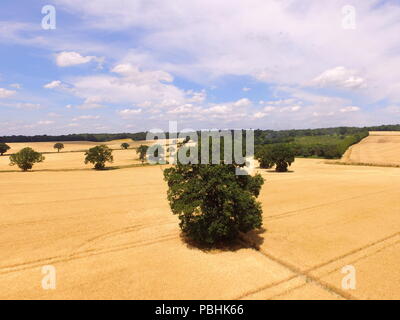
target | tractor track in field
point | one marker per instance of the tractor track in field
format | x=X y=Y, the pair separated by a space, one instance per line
x=298 y=211
x=306 y=274
x=336 y=269
x=122 y=231
x=92 y=252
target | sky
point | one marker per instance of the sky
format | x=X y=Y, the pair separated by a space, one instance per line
x=134 y=65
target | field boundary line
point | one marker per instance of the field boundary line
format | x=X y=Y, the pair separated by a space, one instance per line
x=364 y=164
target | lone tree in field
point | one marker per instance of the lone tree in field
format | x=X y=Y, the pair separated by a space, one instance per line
x=264 y=157
x=213 y=203
x=279 y=155
x=4 y=148
x=142 y=151
x=98 y=156
x=26 y=158
x=125 y=145
x=59 y=146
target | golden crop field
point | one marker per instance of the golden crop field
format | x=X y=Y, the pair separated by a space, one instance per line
x=73 y=155
x=379 y=148
x=111 y=234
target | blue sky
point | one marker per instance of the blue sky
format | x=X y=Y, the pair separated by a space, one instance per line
x=128 y=66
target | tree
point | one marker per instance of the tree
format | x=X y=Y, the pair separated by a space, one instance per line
x=279 y=155
x=26 y=158
x=263 y=155
x=98 y=156
x=59 y=146
x=4 y=148
x=142 y=151
x=125 y=145
x=212 y=202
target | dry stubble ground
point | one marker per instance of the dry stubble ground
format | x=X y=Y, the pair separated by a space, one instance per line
x=111 y=235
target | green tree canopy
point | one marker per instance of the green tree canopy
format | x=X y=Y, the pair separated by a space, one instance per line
x=59 y=146
x=125 y=145
x=212 y=202
x=98 y=156
x=142 y=151
x=26 y=158
x=4 y=148
x=279 y=155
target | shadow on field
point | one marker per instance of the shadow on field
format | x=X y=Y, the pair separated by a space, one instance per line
x=252 y=239
x=273 y=171
x=80 y=169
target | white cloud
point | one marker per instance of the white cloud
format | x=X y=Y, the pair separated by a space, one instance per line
x=28 y=106
x=392 y=109
x=88 y=106
x=184 y=109
x=282 y=43
x=45 y=122
x=294 y=108
x=130 y=86
x=133 y=73
x=339 y=77
x=259 y=115
x=269 y=109
x=52 y=84
x=4 y=93
x=86 y=117
x=71 y=58
x=53 y=115
x=245 y=89
x=15 y=85
x=280 y=102
x=350 y=109
x=265 y=41
x=196 y=97
x=242 y=103
x=129 y=112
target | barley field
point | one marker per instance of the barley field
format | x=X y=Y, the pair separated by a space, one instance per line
x=379 y=148
x=111 y=235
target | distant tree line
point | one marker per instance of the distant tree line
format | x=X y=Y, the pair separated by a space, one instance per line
x=328 y=150
x=95 y=137
x=286 y=136
x=261 y=136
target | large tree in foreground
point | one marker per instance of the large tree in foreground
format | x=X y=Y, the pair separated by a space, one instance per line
x=4 y=148
x=59 y=146
x=279 y=155
x=212 y=202
x=98 y=156
x=26 y=158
